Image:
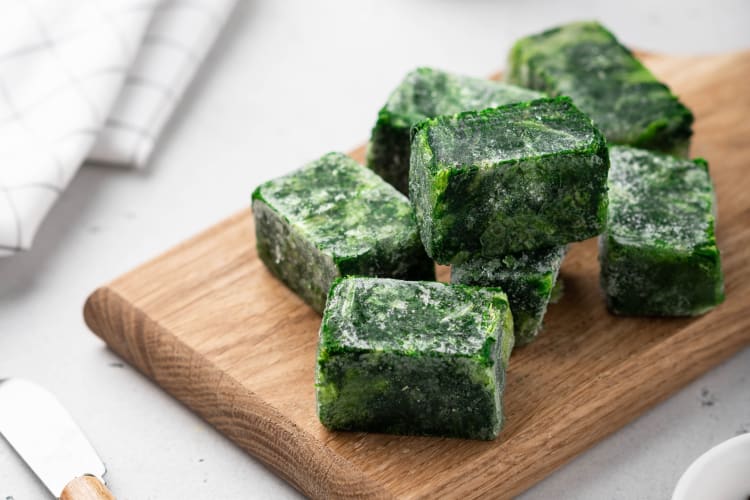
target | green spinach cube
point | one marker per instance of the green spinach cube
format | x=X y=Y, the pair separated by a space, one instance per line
x=418 y=358
x=426 y=93
x=334 y=218
x=586 y=62
x=658 y=255
x=509 y=179
x=529 y=279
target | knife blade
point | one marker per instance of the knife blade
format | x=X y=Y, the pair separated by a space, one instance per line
x=44 y=434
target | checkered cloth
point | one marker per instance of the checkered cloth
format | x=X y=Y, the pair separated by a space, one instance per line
x=88 y=80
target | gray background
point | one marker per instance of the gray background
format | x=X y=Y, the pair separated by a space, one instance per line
x=287 y=82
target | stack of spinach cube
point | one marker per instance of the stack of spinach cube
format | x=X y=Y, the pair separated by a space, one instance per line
x=499 y=193
x=500 y=180
x=658 y=254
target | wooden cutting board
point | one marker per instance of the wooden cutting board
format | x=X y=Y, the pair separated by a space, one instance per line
x=208 y=323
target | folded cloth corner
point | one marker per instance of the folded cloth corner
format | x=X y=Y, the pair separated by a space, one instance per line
x=88 y=81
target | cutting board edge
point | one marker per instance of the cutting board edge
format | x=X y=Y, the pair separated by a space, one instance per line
x=298 y=457
x=665 y=379
x=318 y=471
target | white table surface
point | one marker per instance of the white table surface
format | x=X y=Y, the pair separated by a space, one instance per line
x=287 y=82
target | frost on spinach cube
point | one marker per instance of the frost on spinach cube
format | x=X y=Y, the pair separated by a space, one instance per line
x=586 y=62
x=508 y=179
x=418 y=358
x=425 y=93
x=528 y=278
x=335 y=218
x=658 y=255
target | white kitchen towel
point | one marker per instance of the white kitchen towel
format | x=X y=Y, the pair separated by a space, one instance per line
x=88 y=79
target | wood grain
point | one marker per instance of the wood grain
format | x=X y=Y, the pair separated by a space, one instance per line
x=209 y=324
x=86 y=488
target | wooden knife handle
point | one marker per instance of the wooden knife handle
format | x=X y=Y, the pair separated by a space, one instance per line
x=86 y=488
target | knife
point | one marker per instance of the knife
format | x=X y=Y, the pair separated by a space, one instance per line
x=44 y=434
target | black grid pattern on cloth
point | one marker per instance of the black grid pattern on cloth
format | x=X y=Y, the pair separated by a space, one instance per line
x=55 y=152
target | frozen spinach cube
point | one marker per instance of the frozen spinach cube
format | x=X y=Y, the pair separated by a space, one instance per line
x=508 y=179
x=528 y=279
x=334 y=218
x=586 y=62
x=426 y=93
x=658 y=255
x=419 y=358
